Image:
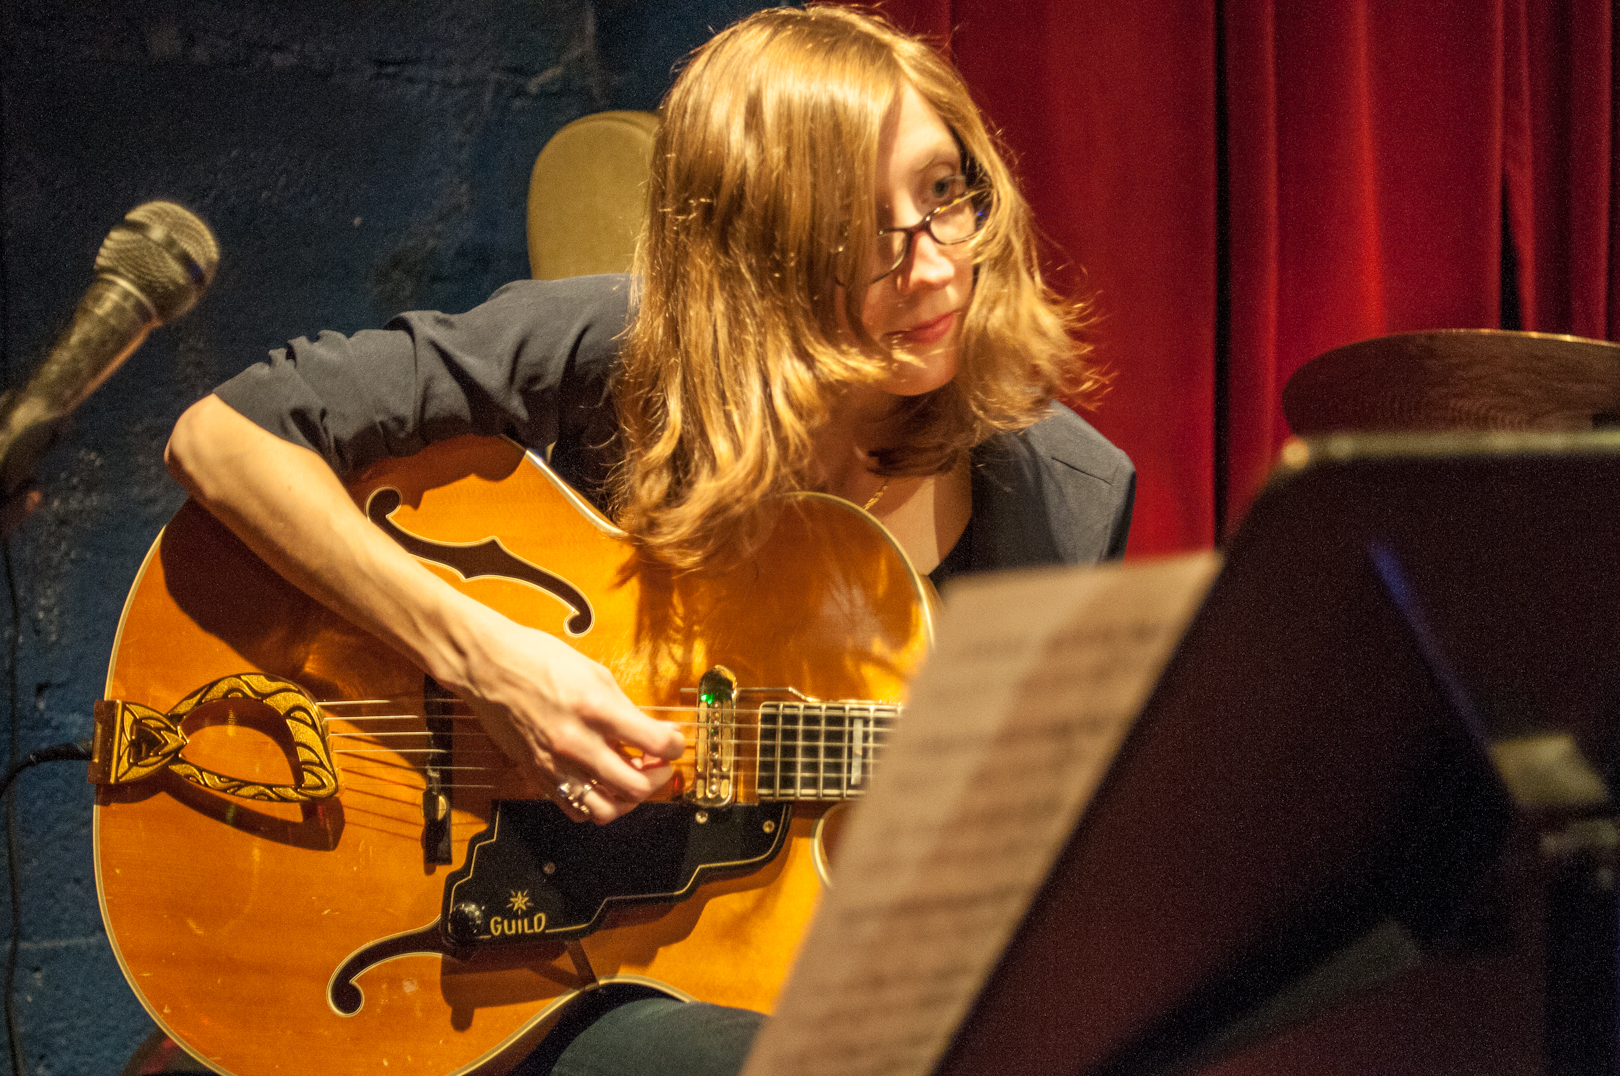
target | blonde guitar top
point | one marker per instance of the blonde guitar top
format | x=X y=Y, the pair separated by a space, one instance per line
x=277 y=918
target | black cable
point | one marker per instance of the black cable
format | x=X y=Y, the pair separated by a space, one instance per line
x=13 y=647
x=72 y=751
x=62 y=752
x=18 y=1068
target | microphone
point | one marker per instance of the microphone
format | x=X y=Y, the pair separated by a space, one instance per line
x=152 y=267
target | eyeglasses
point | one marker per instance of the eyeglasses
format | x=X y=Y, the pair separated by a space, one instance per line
x=955 y=222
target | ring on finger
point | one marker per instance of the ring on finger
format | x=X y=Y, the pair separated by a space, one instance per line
x=574 y=792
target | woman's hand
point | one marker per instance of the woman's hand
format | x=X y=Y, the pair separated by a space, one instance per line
x=561 y=719
x=556 y=714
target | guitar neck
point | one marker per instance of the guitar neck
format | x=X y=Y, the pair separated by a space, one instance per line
x=821 y=751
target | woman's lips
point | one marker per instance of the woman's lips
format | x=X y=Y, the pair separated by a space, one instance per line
x=928 y=332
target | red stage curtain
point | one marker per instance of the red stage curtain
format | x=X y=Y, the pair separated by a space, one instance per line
x=1367 y=146
x=1109 y=109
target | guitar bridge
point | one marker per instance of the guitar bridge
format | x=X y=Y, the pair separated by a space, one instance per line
x=438 y=706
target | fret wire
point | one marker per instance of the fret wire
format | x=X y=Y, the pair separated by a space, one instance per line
x=784 y=714
x=839 y=734
x=804 y=749
x=857 y=745
x=759 y=753
x=838 y=789
x=829 y=745
x=857 y=731
x=798 y=746
x=861 y=769
x=857 y=751
x=784 y=748
x=857 y=755
x=879 y=741
x=798 y=749
x=854 y=722
x=874 y=742
x=781 y=748
x=816 y=731
x=809 y=734
x=818 y=736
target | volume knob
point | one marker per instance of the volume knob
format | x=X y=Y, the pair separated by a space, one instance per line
x=466 y=923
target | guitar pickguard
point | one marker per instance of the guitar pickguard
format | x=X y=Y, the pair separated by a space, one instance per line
x=536 y=875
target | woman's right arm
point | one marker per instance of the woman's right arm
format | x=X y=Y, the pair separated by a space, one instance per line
x=555 y=713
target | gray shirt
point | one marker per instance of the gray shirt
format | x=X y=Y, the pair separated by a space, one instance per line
x=534 y=362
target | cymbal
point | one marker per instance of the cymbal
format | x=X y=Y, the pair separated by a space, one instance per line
x=1457 y=379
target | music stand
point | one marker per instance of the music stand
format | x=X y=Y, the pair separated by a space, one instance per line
x=1307 y=805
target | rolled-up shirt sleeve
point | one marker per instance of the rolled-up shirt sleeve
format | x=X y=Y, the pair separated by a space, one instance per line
x=532 y=361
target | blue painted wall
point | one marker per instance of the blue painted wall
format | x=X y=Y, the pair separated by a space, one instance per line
x=354 y=159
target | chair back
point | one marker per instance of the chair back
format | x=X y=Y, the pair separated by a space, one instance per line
x=587 y=195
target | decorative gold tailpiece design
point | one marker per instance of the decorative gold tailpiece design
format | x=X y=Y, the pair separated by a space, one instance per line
x=133 y=742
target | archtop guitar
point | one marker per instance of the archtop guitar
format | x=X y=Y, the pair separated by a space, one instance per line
x=311 y=859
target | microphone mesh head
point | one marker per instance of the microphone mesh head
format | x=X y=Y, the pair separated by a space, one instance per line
x=163 y=251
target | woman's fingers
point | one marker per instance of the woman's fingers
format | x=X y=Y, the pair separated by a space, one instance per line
x=568 y=727
x=590 y=800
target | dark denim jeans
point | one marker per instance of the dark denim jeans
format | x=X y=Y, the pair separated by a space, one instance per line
x=637 y=1032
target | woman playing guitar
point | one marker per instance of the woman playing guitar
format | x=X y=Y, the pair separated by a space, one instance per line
x=837 y=290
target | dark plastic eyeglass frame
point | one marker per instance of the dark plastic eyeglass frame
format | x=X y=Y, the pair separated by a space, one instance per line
x=927 y=225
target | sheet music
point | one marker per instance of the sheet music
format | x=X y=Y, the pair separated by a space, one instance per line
x=1035 y=681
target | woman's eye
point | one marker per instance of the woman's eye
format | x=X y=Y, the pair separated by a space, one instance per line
x=946 y=188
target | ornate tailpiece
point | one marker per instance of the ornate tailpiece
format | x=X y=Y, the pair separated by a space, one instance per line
x=133 y=742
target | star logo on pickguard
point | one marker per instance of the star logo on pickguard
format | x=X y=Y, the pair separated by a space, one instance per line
x=518 y=901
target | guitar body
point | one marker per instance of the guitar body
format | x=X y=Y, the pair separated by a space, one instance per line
x=232 y=917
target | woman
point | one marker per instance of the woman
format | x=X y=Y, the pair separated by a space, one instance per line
x=837 y=290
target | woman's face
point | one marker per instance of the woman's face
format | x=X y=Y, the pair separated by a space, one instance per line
x=918 y=308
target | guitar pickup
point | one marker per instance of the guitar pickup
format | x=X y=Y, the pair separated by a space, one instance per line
x=714 y=759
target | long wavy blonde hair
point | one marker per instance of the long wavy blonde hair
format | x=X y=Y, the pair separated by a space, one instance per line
x=762 y=196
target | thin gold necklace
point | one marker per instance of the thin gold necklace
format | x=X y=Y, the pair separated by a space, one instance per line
x=876 y=497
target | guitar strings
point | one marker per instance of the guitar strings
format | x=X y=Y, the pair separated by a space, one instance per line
x=396 y=700
x=766 y=731
x=887 y=710
x=747 y=735
x=801 y=769
x=796 y=754
x=871 y=746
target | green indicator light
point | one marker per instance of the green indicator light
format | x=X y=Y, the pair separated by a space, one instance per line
x=708 y=700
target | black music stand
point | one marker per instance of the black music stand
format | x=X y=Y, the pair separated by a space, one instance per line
x=1308 y=807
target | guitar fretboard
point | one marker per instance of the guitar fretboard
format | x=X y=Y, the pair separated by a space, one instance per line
x=820 y=750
